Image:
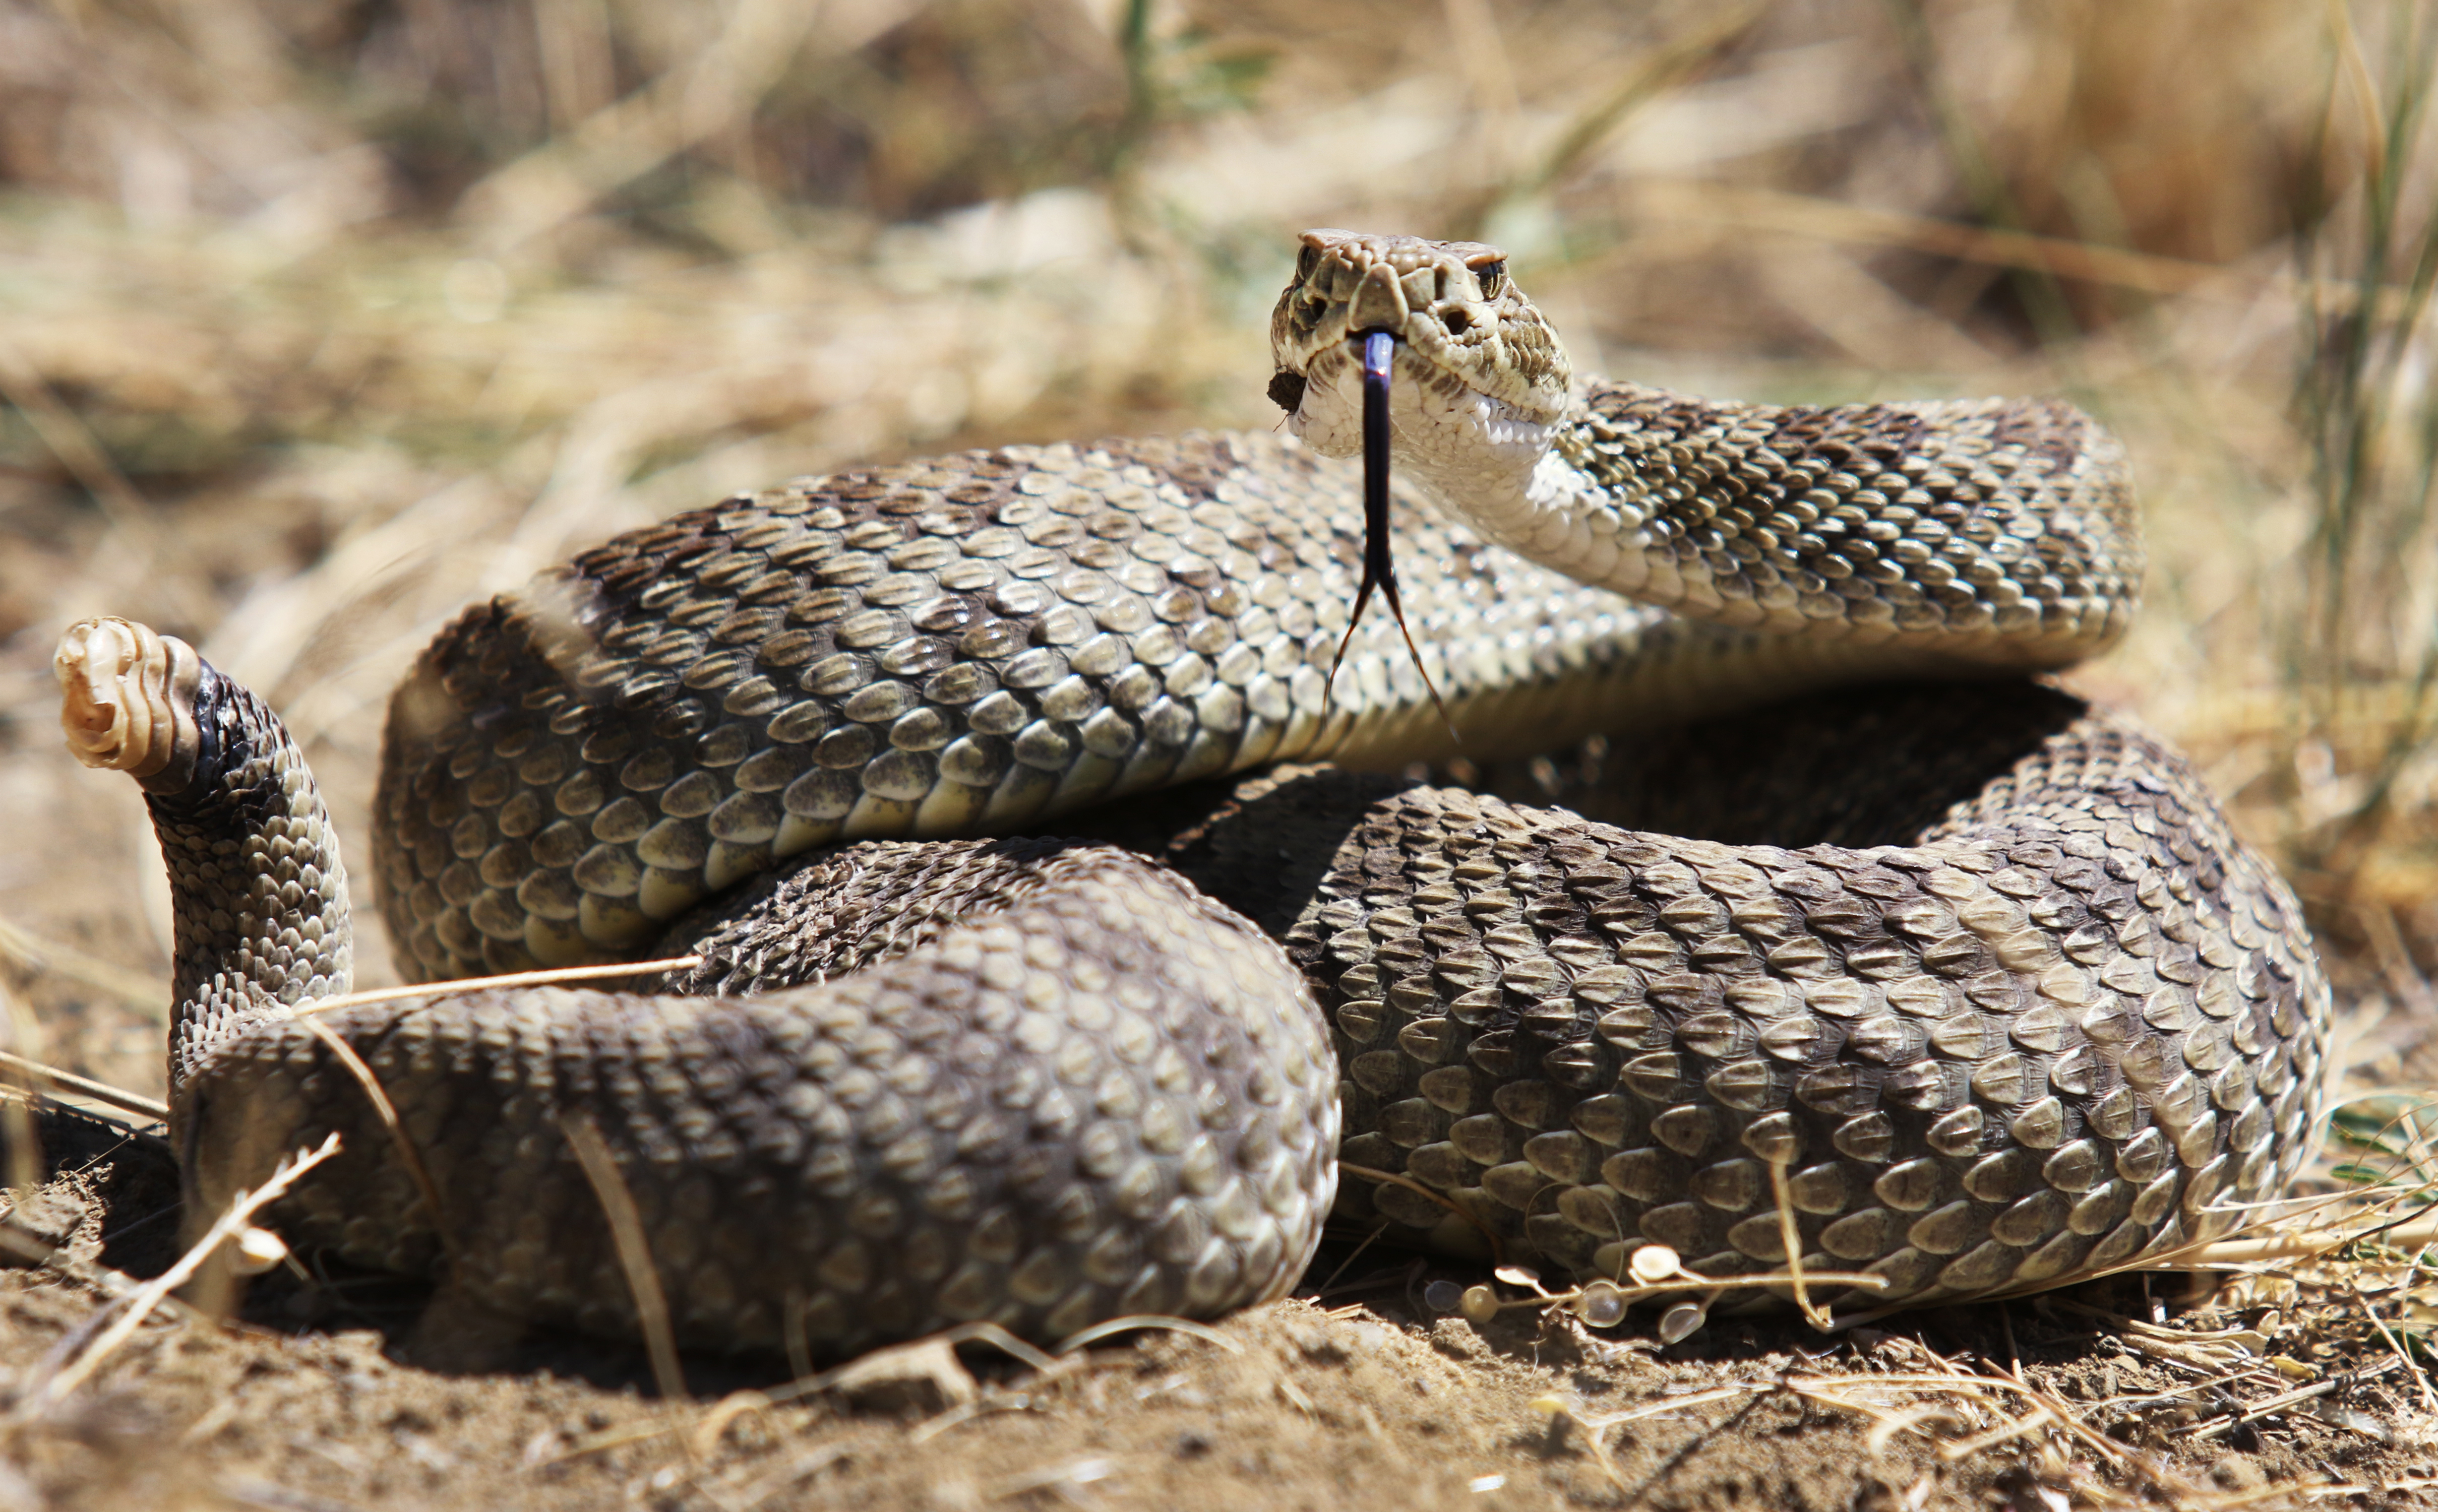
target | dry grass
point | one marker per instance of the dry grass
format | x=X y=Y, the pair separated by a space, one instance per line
x=319 y=318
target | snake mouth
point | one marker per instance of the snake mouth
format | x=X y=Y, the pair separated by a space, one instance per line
x=1461 y=324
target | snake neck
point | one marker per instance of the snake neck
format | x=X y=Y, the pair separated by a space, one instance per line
x=1994 y=532
x=2000 y=530
x=257 y=889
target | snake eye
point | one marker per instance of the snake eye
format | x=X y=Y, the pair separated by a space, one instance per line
x=1286 y=390
x=1307 y=262
x=1492 y=276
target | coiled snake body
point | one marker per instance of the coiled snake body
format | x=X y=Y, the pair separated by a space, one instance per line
x=1962 y=983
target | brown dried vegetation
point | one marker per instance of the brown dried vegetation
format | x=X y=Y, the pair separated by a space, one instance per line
x=320 y=317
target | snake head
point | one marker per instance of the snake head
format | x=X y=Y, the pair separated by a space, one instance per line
x=1477 y=366
x=127 y=701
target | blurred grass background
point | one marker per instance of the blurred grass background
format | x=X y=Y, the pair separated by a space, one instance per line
x=319 y=318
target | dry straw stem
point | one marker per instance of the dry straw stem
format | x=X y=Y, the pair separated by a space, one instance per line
x=2048 y=1411
x=932 y=1359
x=2275 y=1404
x=1791 y=1238
x=73 y=444
x=1323 y=1290
x=1840 y=220
x=1694 y=201
x=35 y=1250
x=1686 y=1280
x=1497 y=1251
x=893 y=1363
x=2403 y=1356
x=40 y=956
x=387 y=1111
x=550 y=976
x=35 y=1076
x=1112 y=1327
x=1598 y=120
x=710 y=93
x=634 y=1250
x=2299 y=1244
x=50 y=1392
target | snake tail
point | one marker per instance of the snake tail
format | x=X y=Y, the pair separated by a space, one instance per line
x=1062 y=1088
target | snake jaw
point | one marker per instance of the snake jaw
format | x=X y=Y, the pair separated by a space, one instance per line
x=1462 y=327
x=1455 y=439
x=1481 y=384
x=126 y=699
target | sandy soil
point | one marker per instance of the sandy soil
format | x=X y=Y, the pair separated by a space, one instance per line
x=1356 y=1391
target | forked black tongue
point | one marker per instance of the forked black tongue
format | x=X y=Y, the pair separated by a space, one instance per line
x=1379 y=569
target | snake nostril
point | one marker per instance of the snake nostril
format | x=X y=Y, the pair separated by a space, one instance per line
x=1457 y=321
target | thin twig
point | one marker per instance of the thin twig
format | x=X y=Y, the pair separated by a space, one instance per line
x=35 y=1076
x=1497 y=1251
x=989 y=1333
x=2259 y=1409
x=240 y=1214
x=476 y=984
x=40 y=956
x=1791 y=1238
x=387 y=1111
x=64 y=433
x=634 y=1252
x=1356 y=1253
x=1146 y=1320
x=2403 y=1356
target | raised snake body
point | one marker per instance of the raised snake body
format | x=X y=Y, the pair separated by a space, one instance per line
x=1968 y=986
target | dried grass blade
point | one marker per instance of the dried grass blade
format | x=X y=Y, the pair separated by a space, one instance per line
x=387 y=1111
x=475 y=984
x=2262 y=1409
x=1497 y=1251
x=38 y=954
x=240 y=1213
x=35 y=1076
x=1146 y=1320
x=2038 y=1417
x=989 y=1333
x=634 y=1252
x=1791 y=1236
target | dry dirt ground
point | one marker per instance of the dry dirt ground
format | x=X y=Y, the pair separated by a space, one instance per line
x=1356 y=1391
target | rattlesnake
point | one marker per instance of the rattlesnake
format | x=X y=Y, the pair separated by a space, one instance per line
x=1965 y=985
